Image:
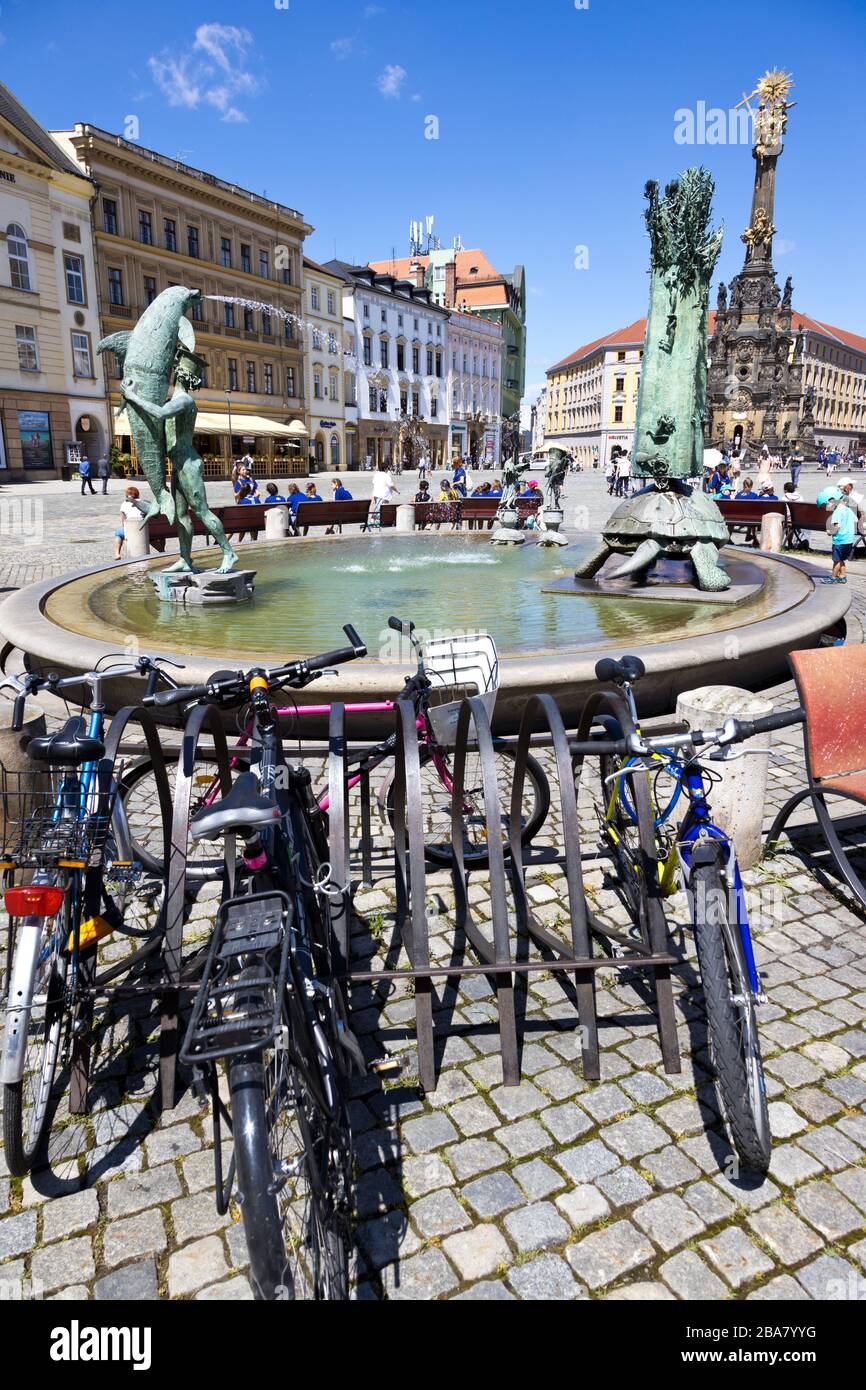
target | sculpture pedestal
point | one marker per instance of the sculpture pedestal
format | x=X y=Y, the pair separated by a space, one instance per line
x=772 y=532
x=137 y=538
x=276 y=522
x=204 y=586
x=405 y=517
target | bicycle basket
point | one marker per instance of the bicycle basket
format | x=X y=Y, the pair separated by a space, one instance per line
x=52 y=814
x=459 y=667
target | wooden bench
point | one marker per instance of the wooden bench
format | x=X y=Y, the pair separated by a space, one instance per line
x=831 y=683
x=799 y=517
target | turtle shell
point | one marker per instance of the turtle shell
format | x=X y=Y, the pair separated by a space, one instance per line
x=672 y=518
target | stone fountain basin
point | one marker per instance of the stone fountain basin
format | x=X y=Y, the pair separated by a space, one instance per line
x=777 y=606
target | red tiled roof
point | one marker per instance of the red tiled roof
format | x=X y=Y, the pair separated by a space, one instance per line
x=467 y=262
x=635 y=333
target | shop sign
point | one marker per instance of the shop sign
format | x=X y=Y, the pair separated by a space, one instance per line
x=35 y=430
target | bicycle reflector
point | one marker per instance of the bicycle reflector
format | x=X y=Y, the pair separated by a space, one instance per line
x=33 y=900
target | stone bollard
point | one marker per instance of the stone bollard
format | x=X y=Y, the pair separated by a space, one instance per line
x=737 y=801
x=772 y=532
x=13 y=756
x=405 y=517
x=137 y=536
x=276 y=522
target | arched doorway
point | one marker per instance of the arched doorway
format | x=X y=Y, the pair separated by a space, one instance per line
x=335 y=453
x=90 y=438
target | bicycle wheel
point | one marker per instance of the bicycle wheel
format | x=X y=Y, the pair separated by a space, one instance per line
x=735 y=1050
x=137 y=791
x=293 y=1168
x=28 y=1102
x=620 y=831
x=436 y=803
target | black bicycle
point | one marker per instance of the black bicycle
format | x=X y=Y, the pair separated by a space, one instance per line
x=270 y=1008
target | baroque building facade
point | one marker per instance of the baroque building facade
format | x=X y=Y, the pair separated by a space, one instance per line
x=475 y=363
x=326 y=384
x=396 y=350
x=159 y=222
x=52 y=397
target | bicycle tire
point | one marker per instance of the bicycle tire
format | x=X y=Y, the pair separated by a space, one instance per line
x=536 y=789
x=733 y=1040
x=621 y=836
x=207 y=865
x=291 y=1256
x=23 y=1138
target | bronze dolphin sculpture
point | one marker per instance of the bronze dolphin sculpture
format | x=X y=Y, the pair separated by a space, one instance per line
x=146 y=356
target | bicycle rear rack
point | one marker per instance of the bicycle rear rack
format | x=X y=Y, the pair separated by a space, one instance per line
x=238 y=1007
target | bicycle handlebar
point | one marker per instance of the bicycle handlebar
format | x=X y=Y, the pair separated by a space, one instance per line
x=732 y=731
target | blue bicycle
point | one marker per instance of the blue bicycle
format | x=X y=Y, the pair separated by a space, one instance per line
x=699 y=857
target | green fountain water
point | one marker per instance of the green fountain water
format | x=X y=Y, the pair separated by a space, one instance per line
x=305 y=591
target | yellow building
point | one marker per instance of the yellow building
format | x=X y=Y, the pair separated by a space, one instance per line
x=326 y=387
x=592 y=396
x=158 y=222
x=51 y=389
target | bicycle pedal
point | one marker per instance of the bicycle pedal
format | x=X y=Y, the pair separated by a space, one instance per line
x=386 y=1066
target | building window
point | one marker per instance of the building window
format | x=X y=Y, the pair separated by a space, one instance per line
x=249 y=326
x=439 y=363
x=335 y=451
x=229 y=315
x=404 y=401
x=416 y=403
x=434 y=408
x=197 y=310
x=246 y=261
x=454 y=361
x=74 y=279
x=81 y=360
x=287 y=274
x=374 y=400
x=266 y=323
x=331 y=302
x=269 y=379
x=226 y=252
x=264 y=268
x=317 y=383
x=19 y=257
x=617 y=414
x=145 y=228
x=109 y=216
x=314 y=296
x=169 y=233
x=383 y=349
x=619 y=384
x=334 y=390
x=366 y=311
x=289 y=329
x=251 y=376
x=233 y=372
x=368 y=352
x=192 y=241
x=399 y=320
x=28 y=350
x=416 y=360
x=290 y=381
x=317 y=340
x=383 y=402
x=149 y=283
x=384 y=315
x=401 y=357
x=620 y=357
x=115 y=286
x=429 y=361
x=438 y=330
x=332 y=344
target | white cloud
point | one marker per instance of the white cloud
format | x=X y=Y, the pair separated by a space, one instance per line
x=390 y=80
x=342 y=48
x=212 y=71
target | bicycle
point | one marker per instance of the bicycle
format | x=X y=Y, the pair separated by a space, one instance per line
x=442 y=667
x=65 y=829
x=270 y=1006
x=700 y=858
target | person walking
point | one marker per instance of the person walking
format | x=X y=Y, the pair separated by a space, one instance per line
x=384 y=489
x=842 y=526
x=103 y=471
x=623 y=476
x=610 y=471
x=84 y=473
x=795 y=464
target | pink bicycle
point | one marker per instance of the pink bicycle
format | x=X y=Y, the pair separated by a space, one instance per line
x=446 y=671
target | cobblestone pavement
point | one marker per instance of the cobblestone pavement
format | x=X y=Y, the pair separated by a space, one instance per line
x=558 y=1189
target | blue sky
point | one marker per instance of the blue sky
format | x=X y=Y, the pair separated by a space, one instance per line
x=550 y=117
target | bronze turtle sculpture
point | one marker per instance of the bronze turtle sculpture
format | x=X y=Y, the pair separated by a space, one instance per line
x=676 y=522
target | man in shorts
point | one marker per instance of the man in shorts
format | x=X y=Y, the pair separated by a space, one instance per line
x=843 y=534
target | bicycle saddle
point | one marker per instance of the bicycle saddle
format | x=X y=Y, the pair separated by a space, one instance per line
x=629 y=669
x=243 y=809
x=70 y=746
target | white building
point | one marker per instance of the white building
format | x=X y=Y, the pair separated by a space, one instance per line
x=396 y=350
x=538 y=422
x=474 y=355
x=323 y=361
